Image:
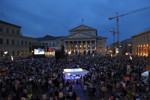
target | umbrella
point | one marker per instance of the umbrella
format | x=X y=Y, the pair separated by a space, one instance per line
x=146 y=73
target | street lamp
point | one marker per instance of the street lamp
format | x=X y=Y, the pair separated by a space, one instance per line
x=114 y=40
x=6 y=52
x=113 y=31
x=69 y=53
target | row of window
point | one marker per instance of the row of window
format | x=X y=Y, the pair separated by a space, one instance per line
x=9 y=30
x=142 y=38
x=13 y=53
x=13 y=42
x=52 y=43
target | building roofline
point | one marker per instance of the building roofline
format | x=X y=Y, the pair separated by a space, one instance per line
x=9 y=24
x=85 y=34
x=142 y=33
x=50 y=38
x=73 y=30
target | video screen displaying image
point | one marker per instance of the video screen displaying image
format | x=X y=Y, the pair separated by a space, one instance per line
x=39 y=51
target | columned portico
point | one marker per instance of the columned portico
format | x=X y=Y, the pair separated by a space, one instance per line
x=84 y=40
x=86 y=47
x=80 y=47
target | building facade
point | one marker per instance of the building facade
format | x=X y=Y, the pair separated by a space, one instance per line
x=52 y=43
x=84 y=40
x=126 y=46
x=12 y=42
x=141 y=44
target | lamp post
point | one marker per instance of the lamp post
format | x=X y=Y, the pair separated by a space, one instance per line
x=5 y=54
x=113 y=31
x=117 y=45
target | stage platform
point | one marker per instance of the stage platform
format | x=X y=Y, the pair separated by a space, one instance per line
x=74 y=73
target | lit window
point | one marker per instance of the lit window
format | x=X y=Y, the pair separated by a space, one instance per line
x=129 y=44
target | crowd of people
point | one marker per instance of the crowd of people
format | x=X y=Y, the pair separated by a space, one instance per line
x=109 y=78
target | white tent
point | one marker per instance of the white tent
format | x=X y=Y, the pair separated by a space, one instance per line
x=146 y=73
x=74 y=73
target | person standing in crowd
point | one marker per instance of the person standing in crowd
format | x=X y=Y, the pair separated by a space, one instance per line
x=43 y=77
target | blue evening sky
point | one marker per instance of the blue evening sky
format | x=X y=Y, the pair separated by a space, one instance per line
x=56 y=17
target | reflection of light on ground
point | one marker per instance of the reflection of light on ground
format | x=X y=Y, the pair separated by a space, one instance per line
x=74 y=73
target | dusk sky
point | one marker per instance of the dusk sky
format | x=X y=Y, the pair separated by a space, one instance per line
x=56 y=17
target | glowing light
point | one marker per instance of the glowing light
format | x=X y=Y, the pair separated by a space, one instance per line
x=111 y=55
x=73 y=70
x=75 y=73
x=12 y=58
x=69 y=74
x=130 y=57
x=6 y=52
x=69 y=52
x=126 y=53
x=117 y=50
x=129 y=44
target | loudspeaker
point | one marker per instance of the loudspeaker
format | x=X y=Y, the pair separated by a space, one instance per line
x=59 y=54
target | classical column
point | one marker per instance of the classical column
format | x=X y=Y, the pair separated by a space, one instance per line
x=73 y=46
x=139 y=50
x=82 y=49
x=142 y=50
x=65 y=47
x=68 y=45
x=90 y=47
x=86 y=48
x=77 y=47
x=95 y=45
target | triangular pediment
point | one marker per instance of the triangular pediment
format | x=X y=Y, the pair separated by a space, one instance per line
x=82 y=28
x=79 y=35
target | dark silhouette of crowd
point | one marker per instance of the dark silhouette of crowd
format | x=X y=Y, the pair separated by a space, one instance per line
x=109 y=78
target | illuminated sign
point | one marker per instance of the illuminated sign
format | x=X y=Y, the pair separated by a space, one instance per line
x=74 y=73
x=73 y=70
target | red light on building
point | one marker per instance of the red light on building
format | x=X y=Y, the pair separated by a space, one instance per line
x=51 y=49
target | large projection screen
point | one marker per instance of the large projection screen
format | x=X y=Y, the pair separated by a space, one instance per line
x=39 y=51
